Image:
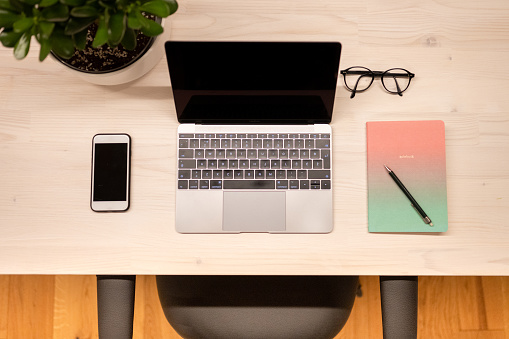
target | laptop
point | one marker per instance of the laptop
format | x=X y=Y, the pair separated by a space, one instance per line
x=254 y=142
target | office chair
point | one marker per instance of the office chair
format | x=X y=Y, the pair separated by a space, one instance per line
x=252 y=307
x=256 y=307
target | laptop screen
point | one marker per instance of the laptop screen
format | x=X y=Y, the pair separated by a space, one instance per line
x=253 y=82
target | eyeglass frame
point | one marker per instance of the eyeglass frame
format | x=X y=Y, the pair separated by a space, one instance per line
x=374 y=74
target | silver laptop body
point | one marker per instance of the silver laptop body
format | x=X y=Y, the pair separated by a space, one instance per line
x=254 y=145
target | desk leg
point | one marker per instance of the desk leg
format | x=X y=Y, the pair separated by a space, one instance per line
x=115 y=306
x=399 y=307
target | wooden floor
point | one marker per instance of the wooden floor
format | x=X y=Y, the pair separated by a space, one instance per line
x=65 y=307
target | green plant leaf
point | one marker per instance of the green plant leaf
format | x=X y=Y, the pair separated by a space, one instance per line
x=31 y=2
x=173 y=5
x=101 y=36
x=150 y=28
x=9 y=38
x=23 y=25
x=45 y=49
x=47 y=3
x=8 y=18
x=22 y=46
x=156 y=7
x=84 y=12
x=75 y=25
x=21 y=6
x=5 y=4
x=45 y=29
x=117 y=27
x=73 y=3
x=56 y=13
x=129 y=40
x=80 y=39
x=132 y=20
x=61 y=44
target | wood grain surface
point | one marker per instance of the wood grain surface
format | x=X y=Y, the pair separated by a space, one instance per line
x=458 y=51
x=65 y=307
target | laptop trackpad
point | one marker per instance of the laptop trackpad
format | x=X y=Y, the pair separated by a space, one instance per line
x=254 y=211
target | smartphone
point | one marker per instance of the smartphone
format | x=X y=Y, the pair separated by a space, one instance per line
x=111 y=172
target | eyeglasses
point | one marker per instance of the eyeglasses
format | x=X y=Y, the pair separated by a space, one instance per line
x=394 y=80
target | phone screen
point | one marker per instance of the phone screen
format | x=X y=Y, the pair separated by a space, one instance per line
x=110 y=172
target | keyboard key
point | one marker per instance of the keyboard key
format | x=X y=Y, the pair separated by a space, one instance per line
x=249 y=184
x=270 y=174
x=252 y=154
x=182 y=184
x=216 y=184
x=186 y=153
x=294 y=184
x=325 y=184
x=254 y=164
x=315 y=184
x=286 y=164
x=220 y=153
x=238 y=174
x=249 y=174
x=314 y=154
x=282 y=184
x=206 y=174
x=291 y=174
x=233 y=164
x=193 y=184
x=304 y=184
x=184 y=174
x=183 y=143
x=326 y=158
x=244 y=163
x=199 y=153
x=194 y=143
x=265 y=164
x=187 y=163
x=319 y=174
x=260 y=174
x=204 y=184
x=273 y=154
x=280 y=174
x=217 y=174
x=212 y=164
x=196 y=174
x=317 y=164
x=210 y=154
x=275 y=164
x=307 y=164
x=309 y=143
x=302 y=174
x=202 y=163
x=231 y=154
x=228 y=174
x=262 y=154
x=323 y=143
x=222 y=163
x=183 y=135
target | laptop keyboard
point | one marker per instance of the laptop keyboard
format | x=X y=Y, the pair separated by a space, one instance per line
x=254 y=161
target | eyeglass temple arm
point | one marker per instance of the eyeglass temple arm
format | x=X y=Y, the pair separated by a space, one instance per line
x=400 y=93
x=354 y=90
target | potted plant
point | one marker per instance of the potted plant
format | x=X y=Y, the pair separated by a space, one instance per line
x=66 y=28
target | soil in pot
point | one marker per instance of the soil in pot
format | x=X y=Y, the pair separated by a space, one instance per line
x=105 y=59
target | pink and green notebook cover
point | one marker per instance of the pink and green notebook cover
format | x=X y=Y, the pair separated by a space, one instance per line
x=415 y=152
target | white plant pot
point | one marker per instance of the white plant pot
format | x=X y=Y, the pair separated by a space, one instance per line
x=135 y=70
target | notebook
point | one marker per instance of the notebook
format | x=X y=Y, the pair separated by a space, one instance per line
x=254 y=141
x=415 y=152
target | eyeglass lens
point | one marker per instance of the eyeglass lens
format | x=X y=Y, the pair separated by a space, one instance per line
x=396 y=80
x=358 y=79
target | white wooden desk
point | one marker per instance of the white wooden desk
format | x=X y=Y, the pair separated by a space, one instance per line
x=459 y=51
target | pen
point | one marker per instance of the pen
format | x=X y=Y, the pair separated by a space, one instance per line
x=418 y=208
